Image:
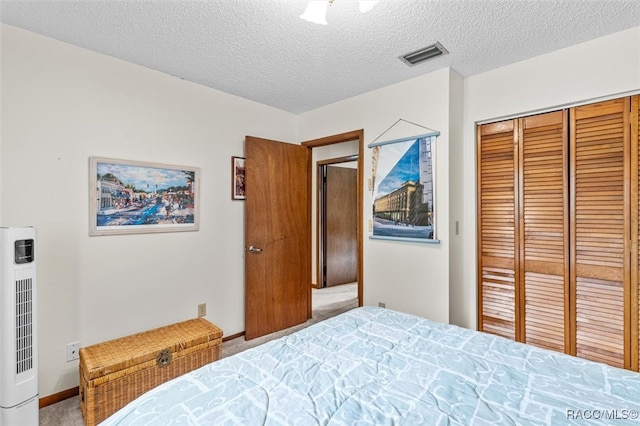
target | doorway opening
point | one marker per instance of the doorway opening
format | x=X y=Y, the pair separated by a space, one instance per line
x=336 y=286
x=337 y=236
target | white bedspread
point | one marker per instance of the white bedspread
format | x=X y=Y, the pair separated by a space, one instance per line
x=373 y=366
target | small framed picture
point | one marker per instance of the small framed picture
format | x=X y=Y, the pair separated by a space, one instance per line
x=237 y=178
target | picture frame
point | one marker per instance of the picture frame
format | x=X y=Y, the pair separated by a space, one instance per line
x=403 y=185
x=237 y=178
x=135 y=197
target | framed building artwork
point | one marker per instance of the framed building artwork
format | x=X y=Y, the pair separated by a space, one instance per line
x=404 y=189
x=133 y=197
x=237 y=178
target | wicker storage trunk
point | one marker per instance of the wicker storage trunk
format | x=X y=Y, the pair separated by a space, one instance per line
x=114 y=373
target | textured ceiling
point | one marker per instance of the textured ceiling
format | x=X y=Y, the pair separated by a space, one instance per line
x=261 y=50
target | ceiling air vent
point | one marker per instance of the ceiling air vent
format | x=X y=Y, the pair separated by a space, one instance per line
x=423 y=54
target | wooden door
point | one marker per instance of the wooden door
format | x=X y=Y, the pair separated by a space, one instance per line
x=277 y=236
x=340 y=212
x=600 y=231
x=498 y=240
x=544 y=229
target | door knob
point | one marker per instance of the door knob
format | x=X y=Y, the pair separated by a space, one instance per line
x=253 y=249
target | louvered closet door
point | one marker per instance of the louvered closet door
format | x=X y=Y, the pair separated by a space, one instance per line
x=497 y=242
x=600 y=227
x=635 y=217
x=544 y=229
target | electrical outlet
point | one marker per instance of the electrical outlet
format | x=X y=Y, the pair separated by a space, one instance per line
x=72 y=351
x=202 y=310
x=457 y=228
x=382 y=305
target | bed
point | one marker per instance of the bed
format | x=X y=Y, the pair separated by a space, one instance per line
x=374 y=366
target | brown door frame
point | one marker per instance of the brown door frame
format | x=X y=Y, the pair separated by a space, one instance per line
x=321 y=215
x=341 y=138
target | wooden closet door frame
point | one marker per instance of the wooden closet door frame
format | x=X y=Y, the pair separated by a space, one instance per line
x=567 y=238
x=628 y=162
x=479 y=310
x=519 y=294
x=635 y=231
x=572 y=236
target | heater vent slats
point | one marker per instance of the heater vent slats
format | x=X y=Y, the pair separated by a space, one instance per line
x=24 y=325
x=424 y=54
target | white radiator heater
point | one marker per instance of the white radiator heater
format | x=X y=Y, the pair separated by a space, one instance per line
x=18 y=318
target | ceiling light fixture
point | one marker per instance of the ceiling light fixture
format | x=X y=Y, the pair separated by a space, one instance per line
x=423 y=54
x=367 y=5
x=316 y=10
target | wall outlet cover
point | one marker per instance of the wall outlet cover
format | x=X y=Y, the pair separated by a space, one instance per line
x=73 y=350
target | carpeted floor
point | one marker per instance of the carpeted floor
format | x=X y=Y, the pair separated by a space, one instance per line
x=326 y=303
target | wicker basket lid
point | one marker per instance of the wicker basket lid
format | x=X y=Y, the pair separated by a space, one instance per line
x=118 y=354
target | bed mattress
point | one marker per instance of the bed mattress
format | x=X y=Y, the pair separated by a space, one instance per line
x=373 y=366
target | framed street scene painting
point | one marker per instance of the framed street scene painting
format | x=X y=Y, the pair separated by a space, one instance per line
x=133 y=197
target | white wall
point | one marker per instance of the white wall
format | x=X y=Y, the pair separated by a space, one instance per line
x=411 y=277
x=61 y=105
x=456 y=200
x=600 y=68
